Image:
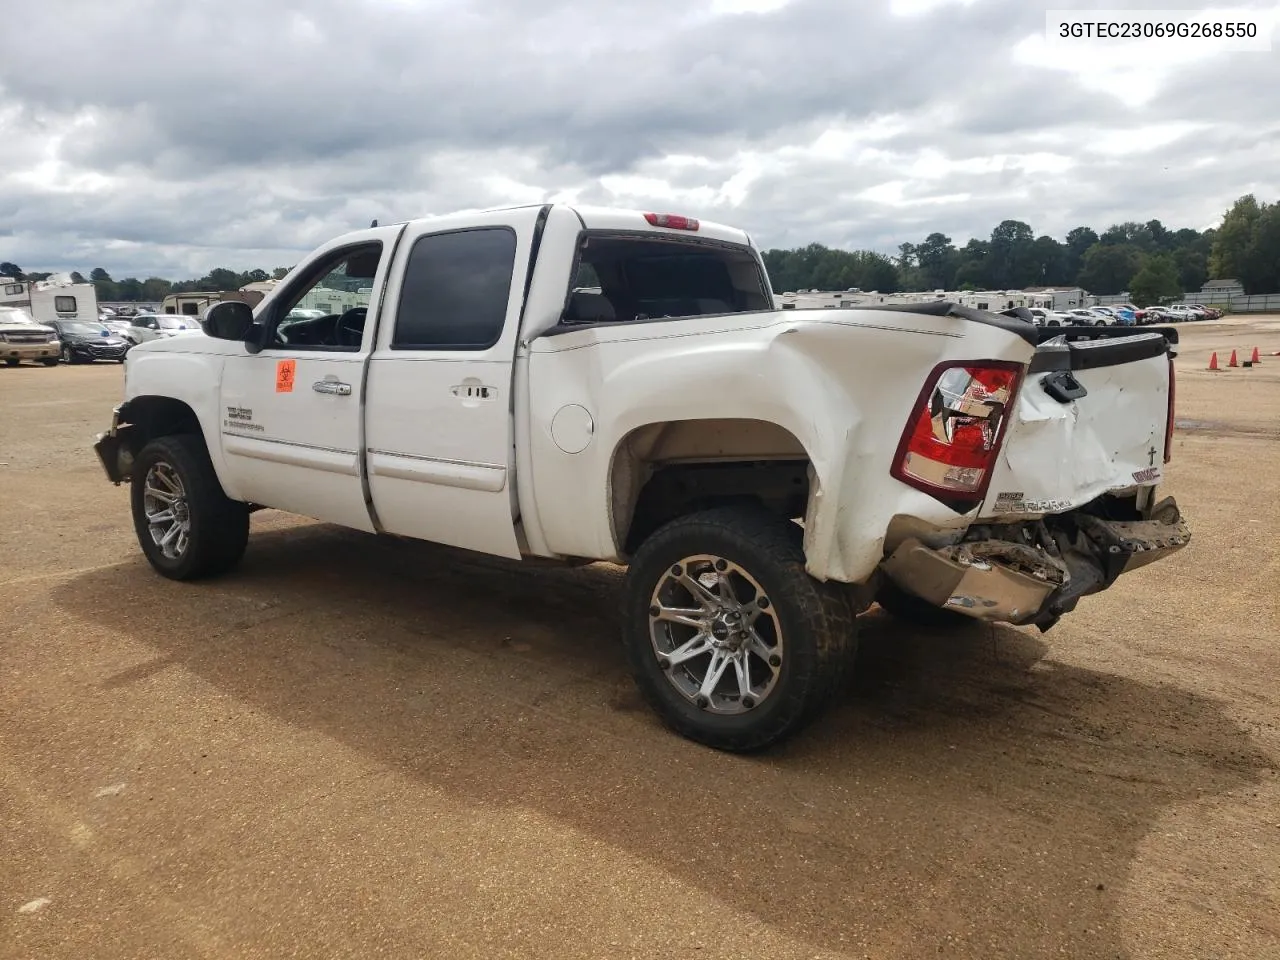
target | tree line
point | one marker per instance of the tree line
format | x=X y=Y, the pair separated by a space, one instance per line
x=1150 y=261
x=152 y=289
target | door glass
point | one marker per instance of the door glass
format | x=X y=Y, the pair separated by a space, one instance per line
x=327 y=309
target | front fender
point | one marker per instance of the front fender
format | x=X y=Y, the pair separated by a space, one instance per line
x=194 y=379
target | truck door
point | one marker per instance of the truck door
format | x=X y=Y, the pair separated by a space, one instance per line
x=438 y=412
x=290 y=415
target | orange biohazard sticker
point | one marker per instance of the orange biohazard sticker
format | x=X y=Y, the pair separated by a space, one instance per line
x=284 y=375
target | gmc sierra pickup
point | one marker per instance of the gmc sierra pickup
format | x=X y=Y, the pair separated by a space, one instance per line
x=605 y=385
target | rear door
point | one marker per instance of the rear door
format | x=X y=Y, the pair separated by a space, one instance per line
x=439 y=405
x=1092 y=417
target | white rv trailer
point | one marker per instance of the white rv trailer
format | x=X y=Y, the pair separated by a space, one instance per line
x=54 y=299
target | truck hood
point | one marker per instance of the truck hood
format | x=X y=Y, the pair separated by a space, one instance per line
x=25 y=328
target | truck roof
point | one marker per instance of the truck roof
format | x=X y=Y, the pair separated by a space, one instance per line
x=608 y=218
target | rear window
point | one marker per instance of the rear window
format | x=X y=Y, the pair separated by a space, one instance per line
x=64 y=304
x=622 y=279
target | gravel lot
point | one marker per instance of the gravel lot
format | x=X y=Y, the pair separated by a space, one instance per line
x=356 y=748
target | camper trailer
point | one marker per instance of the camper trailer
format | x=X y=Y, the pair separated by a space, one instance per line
x=194 y=303
x=54 y=299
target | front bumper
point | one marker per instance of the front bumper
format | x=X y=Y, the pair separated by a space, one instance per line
x=1006 y=581
x=88 y=351
x=113 y=452
x=30 y=351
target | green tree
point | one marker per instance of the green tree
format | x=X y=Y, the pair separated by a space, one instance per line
x=154 y=289
x=1261 y=272
x=937 y=260
x=220 y=278
x=1155 y=282
x=1079 y=241
x=130 y=289
x=78 y=277
x=1109 y=268
x=103 y=285
x=1192 y=266
x=8 y=269
x=279 y=273
x=1233 y=239
x=1050 y=259
x=1011 y=262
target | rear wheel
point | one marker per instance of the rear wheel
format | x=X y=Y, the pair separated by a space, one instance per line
x=186 y=525
x=730 y=640
x=11 y=363
x=50 y=362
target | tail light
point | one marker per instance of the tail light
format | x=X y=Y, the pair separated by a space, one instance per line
x=951 y=441
x=671 y=221
x=1168 y=428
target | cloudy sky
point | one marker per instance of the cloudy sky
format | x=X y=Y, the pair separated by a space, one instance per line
x=166 y=137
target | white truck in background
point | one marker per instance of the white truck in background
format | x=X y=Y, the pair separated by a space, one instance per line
x=582 y=384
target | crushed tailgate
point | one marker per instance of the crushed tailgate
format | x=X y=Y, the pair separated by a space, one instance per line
x=1091 y=418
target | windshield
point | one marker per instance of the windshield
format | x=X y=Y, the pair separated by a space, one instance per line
x=85 y=329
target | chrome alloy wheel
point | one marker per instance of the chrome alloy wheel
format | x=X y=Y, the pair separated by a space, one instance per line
x=717 y=637
x=164 y=501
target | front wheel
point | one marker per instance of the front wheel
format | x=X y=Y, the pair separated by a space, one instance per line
x=186 y=525
x=730 y=640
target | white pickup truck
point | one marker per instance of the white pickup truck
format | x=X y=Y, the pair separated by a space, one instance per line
x=605 y=385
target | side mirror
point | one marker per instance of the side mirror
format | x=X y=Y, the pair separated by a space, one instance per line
x=228 y=320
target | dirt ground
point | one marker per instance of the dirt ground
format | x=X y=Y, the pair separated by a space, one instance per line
x=357 y=748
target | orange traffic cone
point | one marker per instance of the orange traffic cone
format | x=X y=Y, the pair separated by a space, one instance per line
x=1256 y=358
x=1233 y=362
x=1213 y=360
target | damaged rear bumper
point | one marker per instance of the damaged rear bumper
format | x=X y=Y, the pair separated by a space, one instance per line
x=1034 y=573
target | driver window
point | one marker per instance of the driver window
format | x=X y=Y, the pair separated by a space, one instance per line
x=326 y=310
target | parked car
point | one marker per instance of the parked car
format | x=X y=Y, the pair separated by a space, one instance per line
x=766 y=475
x=1183 y=313
x=1209 y=313
x=156 y=326
x=84 y=342
x=1087 y=317
x=21 y=338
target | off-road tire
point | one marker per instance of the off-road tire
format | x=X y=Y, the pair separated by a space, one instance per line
x=50 y=362
x=915 y=610
x=816 y=619
x=219 y=525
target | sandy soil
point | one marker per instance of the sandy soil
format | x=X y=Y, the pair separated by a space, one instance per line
x=356 y=748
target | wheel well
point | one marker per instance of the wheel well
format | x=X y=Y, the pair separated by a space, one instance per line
x=664 y=470
x=151 y=417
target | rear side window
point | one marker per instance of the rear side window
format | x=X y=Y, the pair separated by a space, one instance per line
x=456 y=289
x=627 y=278
x=64 y=304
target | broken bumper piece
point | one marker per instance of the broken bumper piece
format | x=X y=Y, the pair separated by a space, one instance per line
x=1007 y=582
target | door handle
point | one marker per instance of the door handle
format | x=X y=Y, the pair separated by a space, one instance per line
x=332 y=386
